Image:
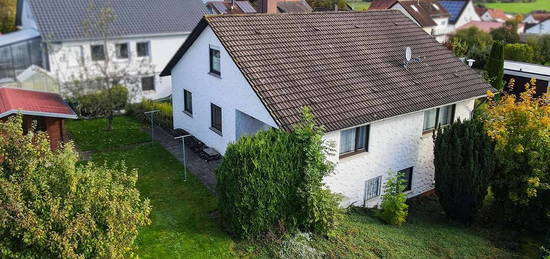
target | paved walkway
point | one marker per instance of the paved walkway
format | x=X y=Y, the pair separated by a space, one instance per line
x=195 y=165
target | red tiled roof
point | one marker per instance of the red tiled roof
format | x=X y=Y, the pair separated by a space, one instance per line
x=484 y=26
x=497 y=14
x=14 y=100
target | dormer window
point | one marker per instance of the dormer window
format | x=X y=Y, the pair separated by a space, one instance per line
x=215 y=67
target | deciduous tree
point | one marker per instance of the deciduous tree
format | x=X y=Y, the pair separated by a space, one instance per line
x=51 y=207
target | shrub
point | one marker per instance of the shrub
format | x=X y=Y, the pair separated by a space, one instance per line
x=103 y=103
x=273 y=181
x=519 y=52
x=164 y=118
x=394 y=208
x=50 y=207
x=521 y=131
x=464 y=163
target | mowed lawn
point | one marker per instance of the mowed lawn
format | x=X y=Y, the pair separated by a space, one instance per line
x=523 y=8
x=182 y=226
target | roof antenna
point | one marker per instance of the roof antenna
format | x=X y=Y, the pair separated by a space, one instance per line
x=409 y=59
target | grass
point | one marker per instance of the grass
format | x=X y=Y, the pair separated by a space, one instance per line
x=183 y=225
x=359 y=5
x=426 y=234
x=90 y=135
x=523 y=8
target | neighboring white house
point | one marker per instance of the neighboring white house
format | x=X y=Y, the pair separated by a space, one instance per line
x=461 y=11
x=536 y=17
x=238 y=74
x=428 y=14
x=142 y=38
x=540 y=28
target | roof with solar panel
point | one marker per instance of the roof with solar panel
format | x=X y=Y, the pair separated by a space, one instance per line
x=455 y=8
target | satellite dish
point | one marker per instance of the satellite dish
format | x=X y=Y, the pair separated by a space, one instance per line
x=408 y=53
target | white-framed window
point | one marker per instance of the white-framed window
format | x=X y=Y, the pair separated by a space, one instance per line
x=215 y=67
x=187 y=102
x=438 y=117
x=121 y=50
x=372 y=188
x=354 y=140
x=143 y=49
x=148 y=83
x=98 y=52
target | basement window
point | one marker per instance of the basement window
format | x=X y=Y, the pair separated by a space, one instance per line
x=354 y=140
x=407 y=176
x=372 y=188
x=438 y=117
x=148 y=83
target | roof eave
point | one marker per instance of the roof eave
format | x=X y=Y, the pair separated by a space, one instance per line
x=203 y=23
x=42 y=114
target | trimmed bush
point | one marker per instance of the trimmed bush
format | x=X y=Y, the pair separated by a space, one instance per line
x=394 y=209
x=164 y=118
x=272 y=182
x=103 y=103
x=464 y=164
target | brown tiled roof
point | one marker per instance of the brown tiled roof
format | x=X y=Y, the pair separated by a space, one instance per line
x=540 y=17
x=346 y=66
x=424 y=11
x=382 y=4
x=480 y=10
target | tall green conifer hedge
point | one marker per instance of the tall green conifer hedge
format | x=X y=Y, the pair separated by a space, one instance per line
x=464 y=163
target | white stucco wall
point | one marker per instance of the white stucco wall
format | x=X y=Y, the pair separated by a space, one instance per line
x=68 y=58
x=469 y=14
x=541 y=28
x=395 y=144
x=230 y=91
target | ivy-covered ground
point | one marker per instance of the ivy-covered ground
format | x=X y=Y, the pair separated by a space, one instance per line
x=184 y=223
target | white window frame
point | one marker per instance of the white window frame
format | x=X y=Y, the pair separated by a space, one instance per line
x=127 y=49
x=148 y=49
x=154 y=83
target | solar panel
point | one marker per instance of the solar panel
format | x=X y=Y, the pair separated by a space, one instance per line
x=245 y=6
x=220 y=6
x=454 y=8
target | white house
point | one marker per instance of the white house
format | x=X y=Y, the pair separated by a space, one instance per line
x=536 y=17
x=540 y=28
x=142 y=38
x=237 y=74
x=461 y=11
x=428 y=14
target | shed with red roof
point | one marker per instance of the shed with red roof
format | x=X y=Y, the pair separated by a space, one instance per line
x=46 y=110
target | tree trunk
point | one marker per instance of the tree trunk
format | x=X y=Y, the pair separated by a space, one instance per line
x=110 y=122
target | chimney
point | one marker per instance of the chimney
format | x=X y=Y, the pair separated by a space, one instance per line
x=267 y=6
